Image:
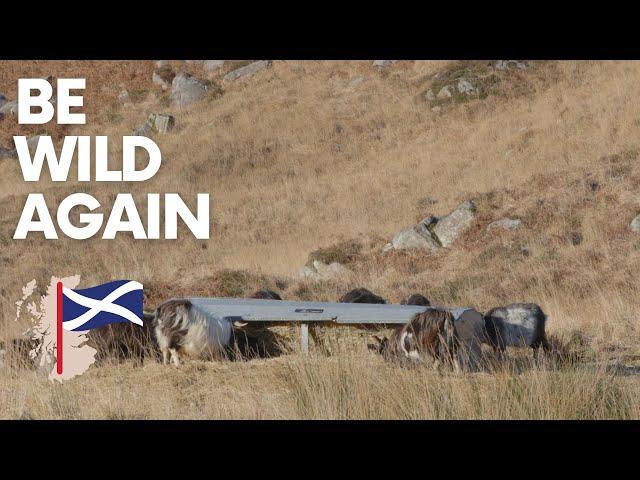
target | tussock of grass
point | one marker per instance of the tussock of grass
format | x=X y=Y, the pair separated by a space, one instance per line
x=344 y=252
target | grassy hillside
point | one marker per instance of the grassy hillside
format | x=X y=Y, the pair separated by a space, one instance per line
x=308 y=155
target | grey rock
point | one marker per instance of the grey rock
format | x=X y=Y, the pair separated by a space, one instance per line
x=635 y=225
x=3 y=100
x=124 y=98
x=9 y=108
x=308 y=273
x=509 y=64
x=186 y=89
x=411 y=239
x=429 y=221
x=445 y=92
x=436 y=109
x=430 y=96
x=156 y=123
x=464 y=86
x=248 y=70
x=383 y=63
x=162 y=63
x=387 y=247
x=449 y=228
x=161 y=123
x=212 y=65
x=504 y=224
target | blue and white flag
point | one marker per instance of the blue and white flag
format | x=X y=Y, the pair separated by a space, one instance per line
x=113 y=302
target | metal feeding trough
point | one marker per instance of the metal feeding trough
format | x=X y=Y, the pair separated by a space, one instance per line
x=228 y=310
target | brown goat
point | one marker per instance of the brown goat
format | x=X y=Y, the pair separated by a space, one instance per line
x=416 y=299
x=432 y=332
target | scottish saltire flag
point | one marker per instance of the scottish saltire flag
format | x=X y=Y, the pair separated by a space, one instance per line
x=113 y=302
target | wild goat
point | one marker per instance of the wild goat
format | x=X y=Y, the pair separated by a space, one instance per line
x=265 y=294
x=432 y=332
x=182 y=330
x=361 y=295
x=416 y=299
x=516 y=325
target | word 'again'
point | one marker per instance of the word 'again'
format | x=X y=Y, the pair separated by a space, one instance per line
x=123 y=206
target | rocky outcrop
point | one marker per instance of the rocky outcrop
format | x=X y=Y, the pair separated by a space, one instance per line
x=248 y=70
x=186 y=90
x=433 y=232
x=321 y=271
x=411 y=239
x=161 y=123
x=449 y=228
x=156 y=123
x=634 y=226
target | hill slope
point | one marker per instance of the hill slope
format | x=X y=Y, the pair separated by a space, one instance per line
x=311 y=154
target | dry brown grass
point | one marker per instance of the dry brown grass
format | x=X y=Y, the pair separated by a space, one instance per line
x=298 y=159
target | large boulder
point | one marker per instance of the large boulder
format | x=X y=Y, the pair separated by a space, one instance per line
x=156 y=123
x=414 y=238
x=449 y=228
x=160 y=122
x=186 y=89
x=322 y=271
x=635 y=225
x=248 y=70
x=465 y=87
